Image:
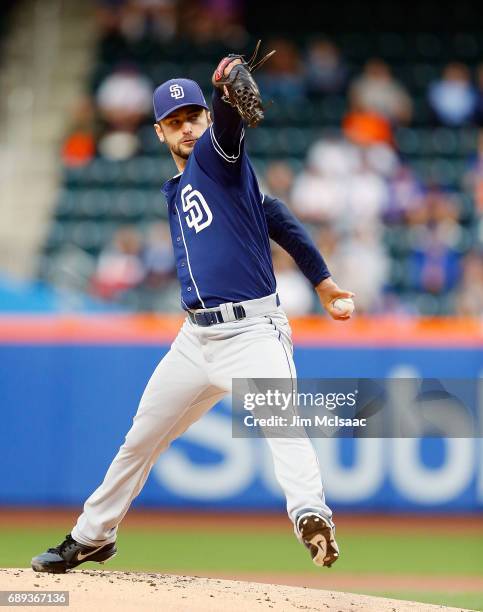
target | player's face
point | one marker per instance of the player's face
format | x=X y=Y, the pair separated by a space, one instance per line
x=181 y=129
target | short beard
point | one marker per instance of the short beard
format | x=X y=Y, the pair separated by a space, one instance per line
x=176 y=149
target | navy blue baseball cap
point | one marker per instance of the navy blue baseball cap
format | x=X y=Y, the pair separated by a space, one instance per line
x=174 y=94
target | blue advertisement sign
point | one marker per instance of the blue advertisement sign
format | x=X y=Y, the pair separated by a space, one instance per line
x=66 y=409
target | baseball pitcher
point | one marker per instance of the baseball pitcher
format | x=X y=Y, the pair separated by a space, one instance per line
x=235 y=326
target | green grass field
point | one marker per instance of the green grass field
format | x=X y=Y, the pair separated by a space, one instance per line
x=278 y=552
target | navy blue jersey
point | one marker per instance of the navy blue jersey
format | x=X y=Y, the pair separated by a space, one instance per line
x=217 y=220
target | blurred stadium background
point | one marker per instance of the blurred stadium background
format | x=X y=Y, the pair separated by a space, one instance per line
x=375 y=140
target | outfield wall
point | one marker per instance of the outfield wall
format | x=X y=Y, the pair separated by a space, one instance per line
x=69 y=388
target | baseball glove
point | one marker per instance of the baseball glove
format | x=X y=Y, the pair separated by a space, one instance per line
x=240 y=88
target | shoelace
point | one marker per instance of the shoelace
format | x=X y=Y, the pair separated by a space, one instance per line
x=65 y=544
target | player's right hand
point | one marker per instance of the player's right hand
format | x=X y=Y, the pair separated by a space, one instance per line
x=328 y=291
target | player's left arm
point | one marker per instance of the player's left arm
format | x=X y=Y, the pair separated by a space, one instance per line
x=227 y=129
x=236 y=101
x=287 y=231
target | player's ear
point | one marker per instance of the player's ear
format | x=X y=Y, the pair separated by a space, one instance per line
x=159 y=132
x=208 y=116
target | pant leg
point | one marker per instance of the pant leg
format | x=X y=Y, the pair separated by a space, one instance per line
x=261 y=347
x=177 y=394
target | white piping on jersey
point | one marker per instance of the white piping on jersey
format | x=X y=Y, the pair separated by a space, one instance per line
x=229 y=158
x=263 y=198
x=188 y=258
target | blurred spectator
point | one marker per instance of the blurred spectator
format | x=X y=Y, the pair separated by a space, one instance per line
x=136 y=19
x=197 y=26
x=296 y=294
x=283 y=77
x=479 y=95
x=435 y=234
x=334 y=157
x=278 y=180
x=316 y=198
x=326 y=72
x=118 y=145
x=405 y=195
x=376 y=91
x=367 y=128
x=339 y=186
x=124 y=100
x=320 y=191
x=202 y=22
x=359 y=261
x=119 y=267
x=157 y=256
x=79 y=147
x=433 y=263
x=155 y=17
x=469 y=297
x=381 y=159
x=326 y=239
x=473 y=179
x=453 y=99
x=109 y=15
x=435 y=207
x=367 y=196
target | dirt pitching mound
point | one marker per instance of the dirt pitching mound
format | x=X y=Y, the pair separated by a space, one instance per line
x=130 y=591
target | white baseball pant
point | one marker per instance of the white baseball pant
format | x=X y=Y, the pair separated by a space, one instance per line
x=194 y=375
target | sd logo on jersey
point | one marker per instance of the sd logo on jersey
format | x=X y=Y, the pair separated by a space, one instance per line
x=199 y=214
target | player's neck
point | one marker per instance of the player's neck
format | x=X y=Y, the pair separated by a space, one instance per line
x=179 y=161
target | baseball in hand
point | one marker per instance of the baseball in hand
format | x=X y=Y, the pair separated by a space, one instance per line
x=344 y=306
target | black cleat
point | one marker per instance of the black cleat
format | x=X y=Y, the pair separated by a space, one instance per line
x=317 y=533
x=70 y=554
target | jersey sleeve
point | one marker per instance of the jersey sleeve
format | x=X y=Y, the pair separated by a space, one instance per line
x=227 y=128
x=287 y=231
x=221 y=148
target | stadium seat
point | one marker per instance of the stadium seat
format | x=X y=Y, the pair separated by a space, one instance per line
x=443 y=141
x=92 y=204
x=408 y=141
